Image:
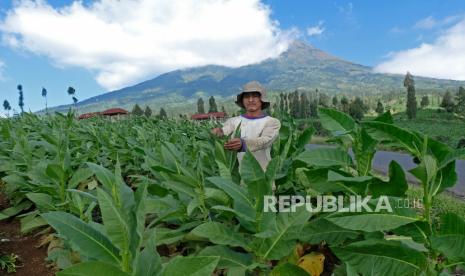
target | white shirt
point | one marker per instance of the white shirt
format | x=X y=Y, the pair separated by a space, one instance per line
x=258 y=134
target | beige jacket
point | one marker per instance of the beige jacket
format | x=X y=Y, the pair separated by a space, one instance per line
x=258 y=134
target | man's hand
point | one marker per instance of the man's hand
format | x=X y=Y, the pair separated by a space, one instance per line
x=218 y=132
x=233 y=144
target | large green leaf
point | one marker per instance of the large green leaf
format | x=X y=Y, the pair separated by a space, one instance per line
x=379 y=257
x=85 y=238
x=242 y=203
x=304 y=138
x=350 y=184
x=254 y=178
x=389 y=132
x=318 y=230
x=396 y=186
x=193 y=266
x=450 y=238
x=148 y=262
x=336 y=121
x=220 y=234
x=14 y=210
x=419 y=231
x=325 y=157
x=228 y=257
x=115 y=225
x=288 y=230
x=373 y=220
x=92 y=268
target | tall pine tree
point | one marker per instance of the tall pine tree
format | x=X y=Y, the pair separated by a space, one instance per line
x=212 y=105
x=345 y=104
x=304 y=106
x=424 y=101
x=21 y=97
x=411 y=99
x=136 y=110
x=379 y=107
x=163 y=114
x=448 y=102
x=460 y=98
x=148 y=112
x=200 y=106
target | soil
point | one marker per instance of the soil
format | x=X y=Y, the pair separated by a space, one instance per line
x=31 y=260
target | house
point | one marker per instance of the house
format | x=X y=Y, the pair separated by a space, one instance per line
x=88 y=115
x=112 y=112
x=210 y=115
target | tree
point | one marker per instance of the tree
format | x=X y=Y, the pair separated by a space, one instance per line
x=136 y=110
x=345 y=104
x=447 y=102
x=411 y=99
x=212 y=105
x=304 y=106
x=460 y=98
x=200 y=106
x=223 y=109
x=323 y=100
x=7 y=107
x=314 y=108
x=21 y=97
x=424 y=101
x=281 y=102
x=335 y=102
x=379 y=107
x=71 y=91
x=356 y=109
x=163 y=115
x=294 y=107
x=148 y=111
x=44 y=94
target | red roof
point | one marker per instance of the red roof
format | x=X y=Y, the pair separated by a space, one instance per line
x=114 y=111
x=208 y=116
x=88 y=115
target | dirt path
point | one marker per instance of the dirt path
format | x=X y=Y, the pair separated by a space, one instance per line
x=31 y=260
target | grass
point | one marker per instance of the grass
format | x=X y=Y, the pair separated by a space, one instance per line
x=445 y=127
x=443 y=203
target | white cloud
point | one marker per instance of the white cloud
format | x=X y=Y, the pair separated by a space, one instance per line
x=429 y=22
x=444 y=58
x=426 y=23
x=127 y=41
x=316 y=30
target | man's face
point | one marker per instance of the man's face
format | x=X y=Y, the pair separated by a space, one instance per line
x=251 y=101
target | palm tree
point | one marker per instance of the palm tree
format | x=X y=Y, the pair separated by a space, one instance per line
x=72 y=92
x=44 y=94
x=7 y=107
x=21 y=97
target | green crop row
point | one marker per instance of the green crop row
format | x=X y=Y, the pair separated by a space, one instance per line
x=140 y=196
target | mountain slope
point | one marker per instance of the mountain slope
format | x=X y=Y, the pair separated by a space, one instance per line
x=301 y=66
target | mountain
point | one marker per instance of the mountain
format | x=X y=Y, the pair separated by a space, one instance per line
x=302 y=66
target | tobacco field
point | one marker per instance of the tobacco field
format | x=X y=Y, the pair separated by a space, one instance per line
x=141 y=196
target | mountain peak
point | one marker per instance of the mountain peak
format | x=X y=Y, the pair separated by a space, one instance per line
x=302 y=49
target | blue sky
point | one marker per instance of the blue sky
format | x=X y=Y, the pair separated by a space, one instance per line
x=98 y=46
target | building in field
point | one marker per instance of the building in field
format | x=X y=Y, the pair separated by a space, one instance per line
x=113 y=113
x=208 y=116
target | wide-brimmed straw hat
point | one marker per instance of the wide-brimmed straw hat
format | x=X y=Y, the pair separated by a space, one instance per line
x=250 y=87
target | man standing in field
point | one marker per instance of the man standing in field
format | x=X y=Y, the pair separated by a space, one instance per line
x=258 y=130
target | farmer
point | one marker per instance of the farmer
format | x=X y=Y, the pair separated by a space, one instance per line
x=258 y=130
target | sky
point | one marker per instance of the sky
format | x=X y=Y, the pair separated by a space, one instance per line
x=102 y=45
